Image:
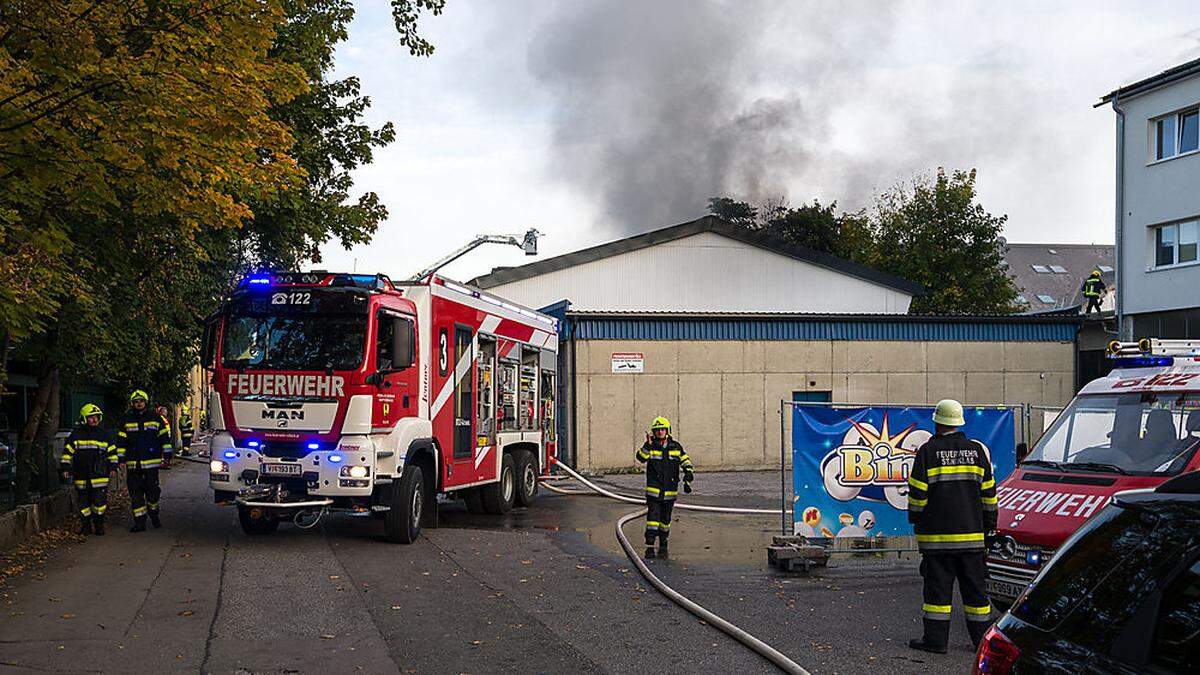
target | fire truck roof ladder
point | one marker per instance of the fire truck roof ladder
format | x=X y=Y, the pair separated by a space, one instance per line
x=1154 y=347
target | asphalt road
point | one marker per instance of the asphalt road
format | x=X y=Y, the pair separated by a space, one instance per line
x=543 y=590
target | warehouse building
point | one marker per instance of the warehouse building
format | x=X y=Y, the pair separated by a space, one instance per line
x=712 y=326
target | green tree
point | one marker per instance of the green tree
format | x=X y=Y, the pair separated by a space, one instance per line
x=812 y=225
x=936 y=233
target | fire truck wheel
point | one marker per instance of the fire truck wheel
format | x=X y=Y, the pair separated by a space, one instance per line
x=402 y=523
x=498 y=497
x=474 y=500
x=527 y=478
x=256 y=526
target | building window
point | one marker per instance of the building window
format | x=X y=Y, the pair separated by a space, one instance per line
x=1058 y=269
x=1106 y=269
x=1021 y=300
x=1041 y=269
x=1048 y=299
x=1176 y=134
x=1176 y=244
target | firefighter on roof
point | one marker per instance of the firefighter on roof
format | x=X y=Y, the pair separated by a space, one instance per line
x=952 y=506
x=145 y=439
x=1093 y=291
x=89 y=459
x=665 y=460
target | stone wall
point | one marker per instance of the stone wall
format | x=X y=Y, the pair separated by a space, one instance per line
x=723 y=396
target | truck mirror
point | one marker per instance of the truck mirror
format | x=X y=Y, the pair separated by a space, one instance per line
x=208 y=345
x=1022 y=452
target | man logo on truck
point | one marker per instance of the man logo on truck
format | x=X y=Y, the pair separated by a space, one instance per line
x=269 y=414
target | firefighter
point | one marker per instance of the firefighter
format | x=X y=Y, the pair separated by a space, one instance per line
x=145 y=439
x=665 y=459
x=90 y=460
x=186 y=431
x=1093 y=290
x=165 y=416
x=952 y=506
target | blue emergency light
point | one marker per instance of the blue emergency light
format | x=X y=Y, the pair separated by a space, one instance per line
x=1142 y=361
x=252 y=443
x=335 y=459
x=230 y=454
x=1033 y=557
x=259 y=281
x=314 y=445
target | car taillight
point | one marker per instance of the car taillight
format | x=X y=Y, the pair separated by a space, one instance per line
x=997 y=654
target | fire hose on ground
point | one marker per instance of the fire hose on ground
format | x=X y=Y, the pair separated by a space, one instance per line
x=763 y=649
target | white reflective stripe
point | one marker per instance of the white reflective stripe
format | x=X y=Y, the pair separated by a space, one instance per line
x=490 y=323
x=481 y=454
x=460 y=369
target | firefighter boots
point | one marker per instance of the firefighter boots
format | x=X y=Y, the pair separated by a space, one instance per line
x=663 y=551
x=154 y=520
x=85 y=525
x=926 y=647
x=139 y=524
x=649 y=555
x=98 y=524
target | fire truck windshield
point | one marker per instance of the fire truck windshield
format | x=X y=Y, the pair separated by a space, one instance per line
x=1150 y=433
x=265 y=335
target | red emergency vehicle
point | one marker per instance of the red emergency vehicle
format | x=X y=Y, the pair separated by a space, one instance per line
x=354 y=393
x=1132 y=429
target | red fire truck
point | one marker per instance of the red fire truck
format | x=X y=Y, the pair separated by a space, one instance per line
x=1133 y=429
x=356 y=394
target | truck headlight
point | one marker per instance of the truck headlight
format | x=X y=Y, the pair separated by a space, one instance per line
x=355 y=471
x=217 y=466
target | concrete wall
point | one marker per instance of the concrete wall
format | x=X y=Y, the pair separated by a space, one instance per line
x=1157 y=192
x=723 y=396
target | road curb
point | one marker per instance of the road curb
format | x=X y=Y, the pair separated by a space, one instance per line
x=27 y=520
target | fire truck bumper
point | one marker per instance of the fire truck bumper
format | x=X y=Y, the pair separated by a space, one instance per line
x=240 y=474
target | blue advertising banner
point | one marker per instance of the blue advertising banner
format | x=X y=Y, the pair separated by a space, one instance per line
x=850 y=465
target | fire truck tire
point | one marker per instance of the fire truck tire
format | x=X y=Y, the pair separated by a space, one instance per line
x=527 y=478
x=473 y=497
x=498 y=497
x=256 y=526
x=402 y=523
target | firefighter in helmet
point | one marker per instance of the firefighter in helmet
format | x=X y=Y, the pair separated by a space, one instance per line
x=665 y=460
x=89 y=459
x=186 y=431
x=952 y=506
x=145 y=440
x=165 y=416
x=1093 y=291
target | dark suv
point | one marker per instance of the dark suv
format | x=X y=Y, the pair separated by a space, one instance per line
x=1121 y=596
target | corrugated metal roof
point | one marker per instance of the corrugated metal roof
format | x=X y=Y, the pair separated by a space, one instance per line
x=814 y=327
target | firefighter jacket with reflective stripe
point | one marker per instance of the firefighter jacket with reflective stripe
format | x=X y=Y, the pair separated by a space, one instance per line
x=90 y=453
x=951 y=495
x=1092 y=288
x=664 y=463
x=143 y=439
x=186 y=430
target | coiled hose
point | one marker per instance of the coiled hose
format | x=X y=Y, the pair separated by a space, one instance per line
x=763 y=649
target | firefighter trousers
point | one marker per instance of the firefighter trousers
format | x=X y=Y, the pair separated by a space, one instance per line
x=658 y=519
x=939 y=571
x=92 y=498
x=1093 y=302
x=143 y=492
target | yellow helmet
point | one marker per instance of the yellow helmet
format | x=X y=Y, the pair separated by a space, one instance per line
x=90 y=409
x=660 y=423
x=949 y=413
x=138 y=395
x=1096 y=273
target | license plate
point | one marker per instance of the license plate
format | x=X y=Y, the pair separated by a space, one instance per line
x=281 y=469
x=1004 y=589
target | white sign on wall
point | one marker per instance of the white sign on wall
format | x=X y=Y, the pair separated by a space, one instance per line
x=628 y=362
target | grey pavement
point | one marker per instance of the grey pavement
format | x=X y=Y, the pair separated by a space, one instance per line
x=539 y=590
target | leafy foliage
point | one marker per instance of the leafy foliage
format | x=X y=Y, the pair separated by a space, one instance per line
x=151 y=151
x=933 y=232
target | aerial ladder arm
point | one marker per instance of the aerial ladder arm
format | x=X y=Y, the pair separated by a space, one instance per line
x=526 y=242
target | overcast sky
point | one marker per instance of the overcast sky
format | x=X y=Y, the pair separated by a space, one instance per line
x=594 y=119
